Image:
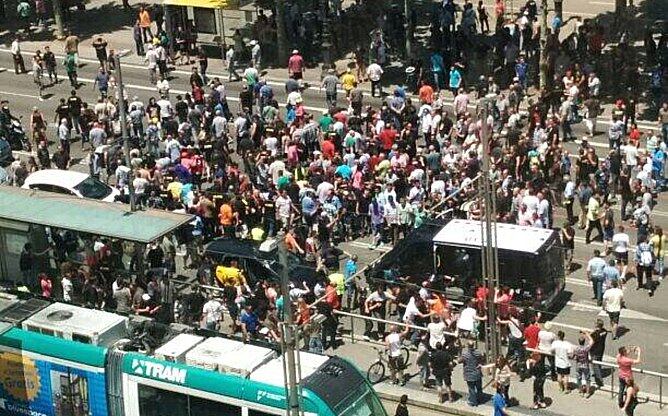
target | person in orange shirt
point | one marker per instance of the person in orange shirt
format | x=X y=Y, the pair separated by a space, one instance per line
x=426 y=93
x=226 y=218
x=145 y=24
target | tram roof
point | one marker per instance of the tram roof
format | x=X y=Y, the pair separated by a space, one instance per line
x=106 y=219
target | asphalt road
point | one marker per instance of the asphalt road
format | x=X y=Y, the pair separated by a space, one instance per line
x=646 y=318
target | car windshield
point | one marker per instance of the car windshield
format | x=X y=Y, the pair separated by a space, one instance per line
x=92 y=188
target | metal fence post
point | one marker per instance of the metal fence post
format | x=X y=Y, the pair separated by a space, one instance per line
x=612 y=383
x=660 y=392
x=352 y=329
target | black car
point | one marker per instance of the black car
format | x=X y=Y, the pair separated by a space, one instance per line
x=6 y=157
x=259 y=264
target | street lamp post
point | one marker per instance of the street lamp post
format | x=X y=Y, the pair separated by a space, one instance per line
x=124 y=125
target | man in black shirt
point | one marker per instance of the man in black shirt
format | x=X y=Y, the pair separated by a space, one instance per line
x=50 y=65
x=441 y=367
x=62 y=111
x=74 y=105
x=181 y=108
x=597 y=349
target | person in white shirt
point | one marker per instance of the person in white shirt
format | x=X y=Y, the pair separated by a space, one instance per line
x=594 y=84
x=15 y=49
x=631 y=154
x=620 y=246
x=374 y=72
x=545 y=339
x=613 y=300
x=562 y=350
x=67 y=288
x=212 y=314
x=394 y=342
x=436 y=329
x=152 y=59
x=165 y=109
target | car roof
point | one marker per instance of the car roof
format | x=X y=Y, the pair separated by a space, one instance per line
x=237 y=247
x=66 y=178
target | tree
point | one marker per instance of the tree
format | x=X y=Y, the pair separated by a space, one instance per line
x=282 y=47
x=58 y=17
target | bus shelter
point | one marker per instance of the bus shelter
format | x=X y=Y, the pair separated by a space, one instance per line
x=29 y=216
x=213 y=23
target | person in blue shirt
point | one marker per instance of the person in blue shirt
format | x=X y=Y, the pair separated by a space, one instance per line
x=350 y=270
x=250 y=323
x=595 y=268
x=500 y=404
x=455 y=79
x=437 y=69
x=521 y=70
x=610 y=273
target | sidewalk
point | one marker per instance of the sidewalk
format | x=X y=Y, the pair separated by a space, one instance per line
x=600 y=403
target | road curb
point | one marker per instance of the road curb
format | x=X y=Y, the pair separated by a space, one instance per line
x=428 y=406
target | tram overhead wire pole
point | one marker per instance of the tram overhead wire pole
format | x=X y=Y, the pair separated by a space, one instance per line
x=488 y=241
x=289 y=338
x=122 y=108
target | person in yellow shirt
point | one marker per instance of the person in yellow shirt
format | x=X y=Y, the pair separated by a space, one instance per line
x=230 y=275
x=659 y=243
x=594 y=218
x=175 y=188
x=348 y=81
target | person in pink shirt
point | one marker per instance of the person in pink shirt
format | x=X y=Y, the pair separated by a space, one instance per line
x=296 y=65
x=625 y=364
x=46 y=284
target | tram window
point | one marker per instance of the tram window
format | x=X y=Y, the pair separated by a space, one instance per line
x=252 y=412
x=153 y=402
x=81 y=338
x=204 y=407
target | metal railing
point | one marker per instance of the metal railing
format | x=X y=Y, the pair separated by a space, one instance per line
x=612 y=367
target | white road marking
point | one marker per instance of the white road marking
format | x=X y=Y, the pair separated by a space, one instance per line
x=626 y=313
x=602 y=3
x=16 y=94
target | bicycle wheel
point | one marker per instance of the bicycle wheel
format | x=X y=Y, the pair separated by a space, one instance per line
x=405 y=353
x=376 y=372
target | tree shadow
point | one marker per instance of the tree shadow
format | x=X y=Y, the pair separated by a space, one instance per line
x=99 y=20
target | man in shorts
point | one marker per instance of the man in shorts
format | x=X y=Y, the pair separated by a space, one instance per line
x=393 y=343
x=562 y=351
x=613 y=299
x=441 y=367
x=620 y=246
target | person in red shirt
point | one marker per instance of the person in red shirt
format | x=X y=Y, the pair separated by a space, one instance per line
x=331 y=297
x=327 y=148
x=387 y=137
x=296 y=65
x=531 y=335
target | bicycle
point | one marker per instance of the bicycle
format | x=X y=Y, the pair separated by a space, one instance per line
x=376 y=371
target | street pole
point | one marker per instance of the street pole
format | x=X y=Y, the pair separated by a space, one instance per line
x=288 y=335
x=124 y=126
x=282 y=47
x=489 y=254
x=542 y=64
x=58 y=17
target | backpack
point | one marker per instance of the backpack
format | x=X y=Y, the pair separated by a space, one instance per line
x=646 y=257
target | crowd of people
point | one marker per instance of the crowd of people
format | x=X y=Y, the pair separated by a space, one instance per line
x=261 y=171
